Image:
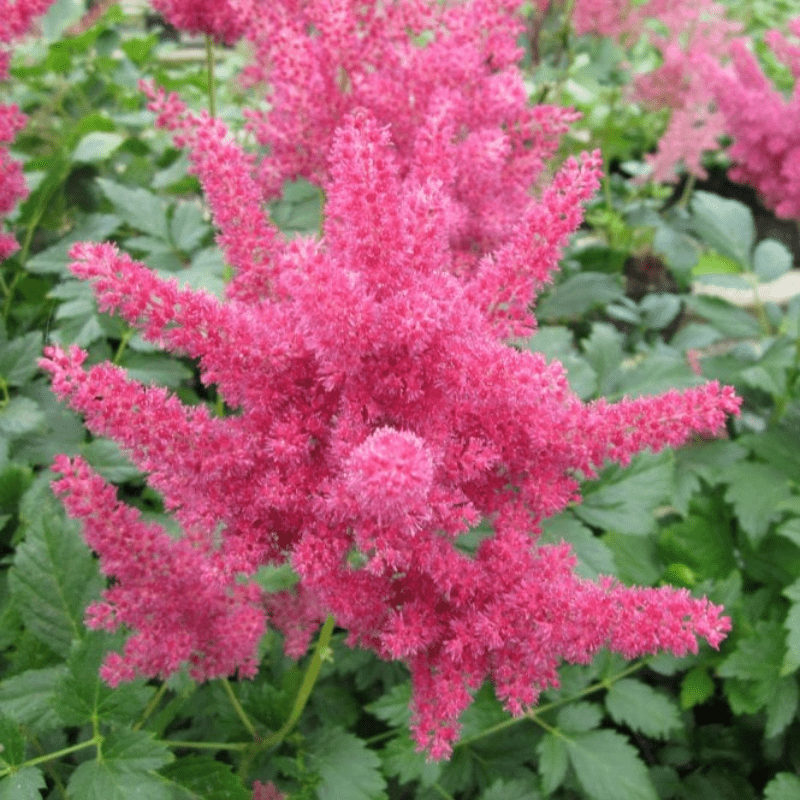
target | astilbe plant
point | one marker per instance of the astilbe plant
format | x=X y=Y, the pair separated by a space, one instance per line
x=378 y=414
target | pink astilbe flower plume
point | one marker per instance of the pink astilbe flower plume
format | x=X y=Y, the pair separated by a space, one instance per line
x=379 y=416
x=764 y=124
x=18 y=18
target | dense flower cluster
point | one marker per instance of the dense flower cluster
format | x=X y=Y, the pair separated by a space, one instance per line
x=17 y=20
x=766 y=125
x=379 y=415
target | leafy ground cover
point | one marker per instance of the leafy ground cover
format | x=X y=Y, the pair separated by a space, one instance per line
x=719 y=516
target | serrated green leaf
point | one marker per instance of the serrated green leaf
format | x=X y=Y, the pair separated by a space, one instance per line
x=345 y=765
x=603 y=351
x=578 y=294
x=594 y=557
x=696 y=687
x=101 y=780
x=702 y=543
x=205 y=778
x=97 y=146
x=28 y=698
x=393 y=707
x=754 y=491
x=624 y=500
x=19 y=357
x=12 y=742
x=95 y=228
x=136 y=751
x=729 y=320
x=81 y=695
x=757 y=657
x=188 y=226
x=105 y=456
x=658 y=310
x=20 y=415
x=643 y=709
x=579 y=717
x=724 y=225
x=608 y=768
x=771 y=259
x=53 y=577
x=402 y=761
x=141 y=209
x=25 y=784
x=782 y=706
x=155 y=368
x=552 y=761
x=784 y=786
x=519 y=789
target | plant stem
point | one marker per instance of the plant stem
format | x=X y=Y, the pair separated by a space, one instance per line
x=212 y=89
x=237 y=707
x=151 y=706
x=310 y=678
x=207 y=745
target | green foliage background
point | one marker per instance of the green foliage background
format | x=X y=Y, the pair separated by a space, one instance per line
x=721 y=518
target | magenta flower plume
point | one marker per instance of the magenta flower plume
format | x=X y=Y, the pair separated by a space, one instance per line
x=380 y=415
x=225 y=21
x=18 y=18
x=765 y=124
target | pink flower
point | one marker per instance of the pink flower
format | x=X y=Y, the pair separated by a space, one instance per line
x=225 y=21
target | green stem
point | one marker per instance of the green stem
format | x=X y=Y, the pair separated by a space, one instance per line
x=93 y=742
x=212 y=89
x=151 y=706
x=442 y=792
x=237 y=707
x=310 y=678
x=123 y=343
x=688 y=188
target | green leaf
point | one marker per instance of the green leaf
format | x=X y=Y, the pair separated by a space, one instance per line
x=757 y=657
x=594 y=557
x=578 y=294
x=724 y=225
x=25 y=784
x=20 y=415
x=518 y=789
x=81 y=695
x=608 y=767
x=402 y=761
x=579 y=717
x=96 y=227
x=700 y=542
x=729 y=320
x=603 y=351
x=28 y=698
x=784 y=786
x=555 y=342
x=771 y=259
x=696 y=687
x=141 y=209
x=105 y=456
x=155 y=368
x=552 y=761
x=658 y=310
x=754 y=491
x=205 y=778
x=104 y=780
x=18 y=358
x=642 y=708
x=53 y=577
x=636 y=558
x=624 y=500
x=791 y=661
x=97 y=146
x=782 y=706
x=393 y=707
x=188 y=226
x=12 y=742
x=345 y=765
